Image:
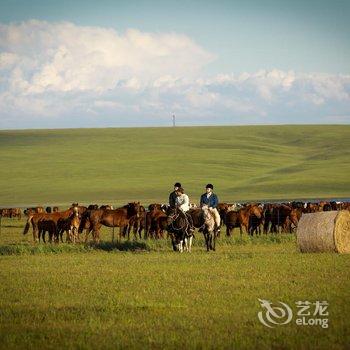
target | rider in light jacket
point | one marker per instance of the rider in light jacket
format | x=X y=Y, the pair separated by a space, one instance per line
x=183 y=203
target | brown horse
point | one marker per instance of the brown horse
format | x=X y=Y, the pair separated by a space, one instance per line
x=137 y=223
x=70 y=225
x=40 y=221
x=110 y=217
x=280 y=217
x=231 y=221
x=156 y=222
x=11 y=213
x=245 y=214
x=248 y=218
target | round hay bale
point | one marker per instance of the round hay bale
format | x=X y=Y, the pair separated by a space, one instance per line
x=327 y=231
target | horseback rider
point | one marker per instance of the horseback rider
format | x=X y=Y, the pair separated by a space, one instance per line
x=210 y=199
x=172 y=196
x=182 y=202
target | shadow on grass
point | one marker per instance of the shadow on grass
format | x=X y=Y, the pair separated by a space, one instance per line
x=31 y=249
x=12 y=226
x=133 y=246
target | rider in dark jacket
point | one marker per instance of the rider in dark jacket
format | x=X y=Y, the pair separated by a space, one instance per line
x=172 y=196
x=211 y=200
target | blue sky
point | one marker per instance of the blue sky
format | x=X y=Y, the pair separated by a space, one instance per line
x=210 y=62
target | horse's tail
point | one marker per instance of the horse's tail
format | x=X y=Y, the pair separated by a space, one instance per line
x=27 y=226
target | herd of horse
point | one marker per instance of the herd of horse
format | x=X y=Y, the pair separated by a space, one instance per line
x=158 y=219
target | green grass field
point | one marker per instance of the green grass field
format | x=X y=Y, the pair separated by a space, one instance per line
x=115 y=166
x=141 y=294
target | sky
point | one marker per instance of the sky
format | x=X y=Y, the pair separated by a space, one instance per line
x=136 y=63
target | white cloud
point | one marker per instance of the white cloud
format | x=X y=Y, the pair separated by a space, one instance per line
x=60 y=70
x=65 y=57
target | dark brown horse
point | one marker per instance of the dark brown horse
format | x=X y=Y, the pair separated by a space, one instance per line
x=156 y=222
x=281 y=217
x=110 y=217
x=231 y=221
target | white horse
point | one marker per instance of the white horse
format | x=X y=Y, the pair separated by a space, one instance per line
x=210 y=229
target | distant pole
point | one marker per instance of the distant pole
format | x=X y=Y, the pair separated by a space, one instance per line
x=174 y=121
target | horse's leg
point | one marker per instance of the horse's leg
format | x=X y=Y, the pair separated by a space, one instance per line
x=35 y=233
x=39 y=234
x=186 y=244
x=87 y=234
x=96 y=235
x=60 y=234
x=121 y=228
x=214 y=236
x=147 y=227
x=128 y=231
x=69 y=235
x=142 y=226
x=228 y=231
x=135 y=229
x=206 y=236
x=190 y=244
x=76 y=234
x=158 y=231
x=140 y=230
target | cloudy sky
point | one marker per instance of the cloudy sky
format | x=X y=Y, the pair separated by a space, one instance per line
x=135 y=63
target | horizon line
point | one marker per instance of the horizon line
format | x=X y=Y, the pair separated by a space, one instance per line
x=177 y=126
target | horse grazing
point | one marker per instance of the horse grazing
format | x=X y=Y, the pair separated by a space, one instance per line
x=178 y=228
x=110 y=217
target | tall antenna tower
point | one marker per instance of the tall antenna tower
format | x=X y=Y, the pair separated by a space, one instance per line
x=174 y=120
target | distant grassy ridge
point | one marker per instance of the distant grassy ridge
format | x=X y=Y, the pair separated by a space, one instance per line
x=115 y=166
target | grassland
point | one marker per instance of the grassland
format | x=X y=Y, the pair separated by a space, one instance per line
x=119 y=165
x=143 y=295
